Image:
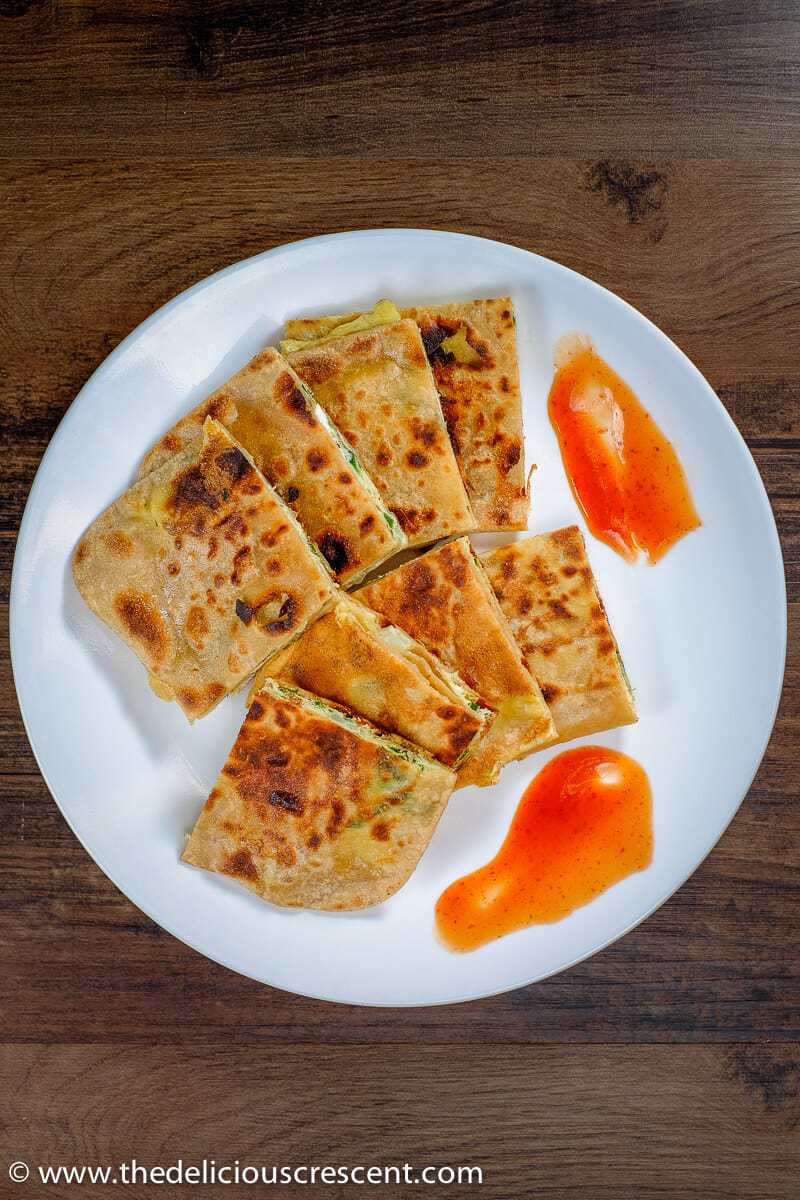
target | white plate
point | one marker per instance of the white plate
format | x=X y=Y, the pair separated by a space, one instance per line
x=703 y=633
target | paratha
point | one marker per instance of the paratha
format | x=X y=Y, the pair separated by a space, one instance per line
x=202 y=570
x=357 y=658
x=549 y=596
x=444 y=600
x=273 y=414
x=471 y=346
x=377 y=386
x=315 y=808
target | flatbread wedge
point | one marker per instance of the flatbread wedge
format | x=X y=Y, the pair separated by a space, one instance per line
x=274 y=415
x=377 y=386
x=357 y=658
x=203 y=571
x=315 y=808
x=443 y=599
x=471 y=346
x=549 y=596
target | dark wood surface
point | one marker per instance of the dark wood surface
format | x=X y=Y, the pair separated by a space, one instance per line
x=653 y=146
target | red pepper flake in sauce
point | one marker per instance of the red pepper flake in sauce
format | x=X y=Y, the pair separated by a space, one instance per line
x=583 y=824
x=623 y=472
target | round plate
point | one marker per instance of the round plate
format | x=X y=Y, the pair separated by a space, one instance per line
x=703 y=633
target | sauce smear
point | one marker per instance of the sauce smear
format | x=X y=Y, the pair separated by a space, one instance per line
x=624 y=473
x=584 y=823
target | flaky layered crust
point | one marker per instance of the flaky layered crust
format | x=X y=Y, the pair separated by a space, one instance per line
x=377 y=386
x=202 y=570
x=266 y=410
x=548 y=594
x=343 y=658
x=444 y=601
x=472 y=348
x=308 y=812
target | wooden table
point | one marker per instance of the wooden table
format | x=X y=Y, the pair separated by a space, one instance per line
x=653 y=147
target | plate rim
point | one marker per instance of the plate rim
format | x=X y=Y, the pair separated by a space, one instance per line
x=346 y=235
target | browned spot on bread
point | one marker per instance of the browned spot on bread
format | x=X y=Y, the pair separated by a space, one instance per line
x=241 y=866
x=569 y=571
x=409 y=518
x=288 y=801
x=173 y=568
x=345 y=478
x=453 y=565
x=219 y=407
x=316 y=366
x=331 y=747
x=364 y=343
x=415 y=458
x=380 y=831
x=504 y=384
x=213 y=547
x=292 y=494
x=525 y=604
x=335 y=820
x=606 y=646
x=570 y=541
x=142 y=621
x=366 y=523
x=272 y=537
x=336 y=550
x=543 y=572
x=277 y=612
x=427 y=432
x=314 y=841
x=316 y=459
x=559 y=609
x=80 y=553
x=199 y=700
x=510 y=454
x=509 y=568
x=383 y=455
x=421 y=578
x=191 y=490
x=460 y=733
x=244 y=612
x=171 y=442
x=197 y=626
x=291 y=396
x=255 y=712
x=241 y=561
x=119 y=543
x=550 y=692
x=234 y=464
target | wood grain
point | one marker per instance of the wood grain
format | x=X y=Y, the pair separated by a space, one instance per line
x=571 y=1122
x=432 y=79
x=652 y=146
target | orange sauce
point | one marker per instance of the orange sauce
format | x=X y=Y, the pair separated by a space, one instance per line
x=624 y=473
x=584 y=823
